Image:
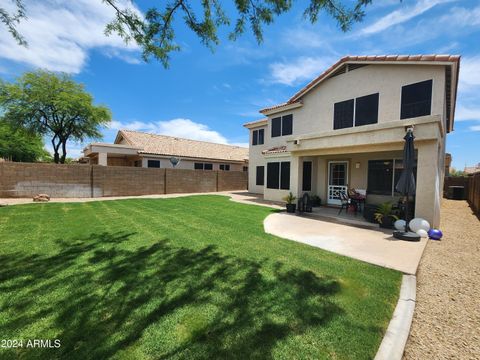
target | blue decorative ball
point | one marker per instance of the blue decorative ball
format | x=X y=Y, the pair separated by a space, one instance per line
x=435 y=234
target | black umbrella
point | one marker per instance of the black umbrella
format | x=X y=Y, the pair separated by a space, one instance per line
x=406 y=184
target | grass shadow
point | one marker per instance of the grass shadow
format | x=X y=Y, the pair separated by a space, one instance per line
x=103 y=298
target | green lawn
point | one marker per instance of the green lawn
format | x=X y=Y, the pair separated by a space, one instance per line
x=192 y=277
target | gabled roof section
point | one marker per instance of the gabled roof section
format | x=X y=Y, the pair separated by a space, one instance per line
x=175 y=146
x=451 y=61
x=256 y=123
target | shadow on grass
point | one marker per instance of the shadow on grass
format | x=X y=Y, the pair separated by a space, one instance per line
x=101 y=297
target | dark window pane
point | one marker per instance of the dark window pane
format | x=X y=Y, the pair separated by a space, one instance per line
x=245 y=168
x=366 y=110
x=307 y=176
x=255 y=137
x=287 y=125
x=208 y=166
x=285 y=176
x=380 y=176
x=260 y=175
x=198 y=166
x=261 y=136
x=416 y=100
x=153 y=163
x=343 y=114
x=276 y=127
x=222 y=167
x=273 y=175
x=226 y=167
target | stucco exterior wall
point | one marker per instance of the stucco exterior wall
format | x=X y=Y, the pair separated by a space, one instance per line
x=313 y=125
x=316 y=114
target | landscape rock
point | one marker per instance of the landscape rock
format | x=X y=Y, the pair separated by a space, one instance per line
x=41 y=198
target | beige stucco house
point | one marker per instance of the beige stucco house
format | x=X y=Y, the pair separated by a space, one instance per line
x=135 y=148
x=345 y=130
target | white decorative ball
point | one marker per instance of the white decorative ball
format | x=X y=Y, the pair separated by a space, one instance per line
x=419 y=224
x=400 y=225
x=422 y=233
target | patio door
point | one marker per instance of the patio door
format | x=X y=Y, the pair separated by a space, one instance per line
x=337 y=181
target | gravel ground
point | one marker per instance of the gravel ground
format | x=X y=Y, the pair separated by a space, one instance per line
x=446 y=324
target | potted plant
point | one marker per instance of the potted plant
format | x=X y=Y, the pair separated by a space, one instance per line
x=385 y=215
x=291 y=206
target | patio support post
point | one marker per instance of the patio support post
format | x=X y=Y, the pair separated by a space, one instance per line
x=427 y=197
x=295 y=175
x=102 y=158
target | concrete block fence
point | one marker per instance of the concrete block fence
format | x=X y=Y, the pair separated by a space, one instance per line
x=29 y=179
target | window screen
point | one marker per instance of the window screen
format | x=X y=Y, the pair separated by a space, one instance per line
x=260 y=175
x=285 y=175
x=366 y=110
x=273 y=175
x=307 y=176
x=208 y=166
x=380 y=176
x=287 y=125
x=416 y=100
x=255 y=137
x=198 y=166
x=276 y=127
x=261 y=136
x=343 y=114
x=153 y=163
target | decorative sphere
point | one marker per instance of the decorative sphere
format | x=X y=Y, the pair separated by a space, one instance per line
x=419 y=224
x=422 y=233
x=435 y=234
x=400 y=225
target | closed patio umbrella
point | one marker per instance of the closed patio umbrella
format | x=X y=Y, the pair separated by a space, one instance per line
x=406 y=184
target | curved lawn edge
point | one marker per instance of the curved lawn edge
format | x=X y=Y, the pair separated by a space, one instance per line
x=396 y=336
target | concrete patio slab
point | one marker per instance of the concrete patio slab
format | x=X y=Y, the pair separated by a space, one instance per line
x=374 y=246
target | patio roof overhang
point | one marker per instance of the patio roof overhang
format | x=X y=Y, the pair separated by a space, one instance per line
x=118 y=149
x=369 y=138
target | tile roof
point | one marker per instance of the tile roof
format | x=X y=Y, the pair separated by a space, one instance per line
x=255 y=122
x=175 y=146
x=275 y=150
x=364 y=59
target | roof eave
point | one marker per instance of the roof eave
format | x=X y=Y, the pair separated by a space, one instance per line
x=284 y=107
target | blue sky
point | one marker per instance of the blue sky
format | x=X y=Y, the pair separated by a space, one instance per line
x=209 y=95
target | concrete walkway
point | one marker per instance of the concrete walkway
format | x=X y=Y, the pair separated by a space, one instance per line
x=370 y=245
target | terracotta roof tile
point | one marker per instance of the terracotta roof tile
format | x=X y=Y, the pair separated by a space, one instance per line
x=275 y=150
x=174 y=146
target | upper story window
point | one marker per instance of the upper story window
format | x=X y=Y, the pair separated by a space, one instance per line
x=416 y=99
x=258 y=137
x=356 y=112
x=225 y=167
x=282 y=125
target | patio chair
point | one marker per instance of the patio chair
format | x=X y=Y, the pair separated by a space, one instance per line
x=305 y=203
x=346 y=203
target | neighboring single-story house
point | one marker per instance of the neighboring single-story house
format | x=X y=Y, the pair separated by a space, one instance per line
x=345 y=130
x=135 y=148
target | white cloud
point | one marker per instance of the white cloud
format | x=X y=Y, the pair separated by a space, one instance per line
x=61 y=33
x=184 y=128
x=475 y=128
x=463 y=113
x=304 y=68
x=401 y=15
x=469 y=72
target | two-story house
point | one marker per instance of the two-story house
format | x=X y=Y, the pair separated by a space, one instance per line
x=345 y=130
